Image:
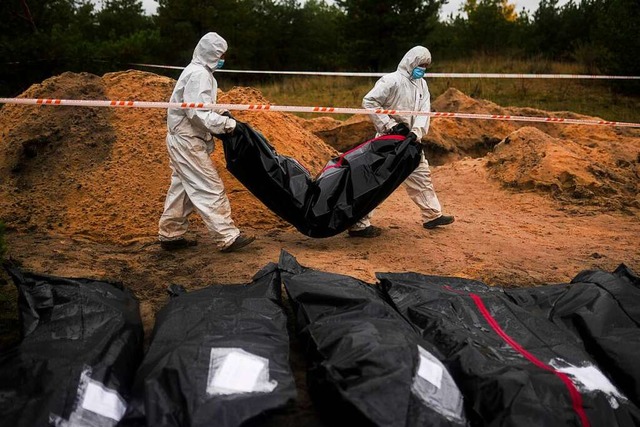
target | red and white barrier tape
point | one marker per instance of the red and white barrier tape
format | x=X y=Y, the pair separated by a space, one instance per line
x=297 y=109
x=428 y=75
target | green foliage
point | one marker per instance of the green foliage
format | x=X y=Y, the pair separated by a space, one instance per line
x=377 y=34
x=42 y=38
x=617 y=33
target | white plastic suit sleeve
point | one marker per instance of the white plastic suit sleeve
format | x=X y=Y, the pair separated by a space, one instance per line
x=421 y=123
x=202 y=87
x=377 y=98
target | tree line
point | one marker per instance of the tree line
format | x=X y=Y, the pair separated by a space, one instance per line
x=40 y=38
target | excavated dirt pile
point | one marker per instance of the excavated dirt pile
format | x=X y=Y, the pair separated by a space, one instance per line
x=103 y=173
x=599 y=174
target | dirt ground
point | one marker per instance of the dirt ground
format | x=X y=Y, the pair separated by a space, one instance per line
x=82 y=191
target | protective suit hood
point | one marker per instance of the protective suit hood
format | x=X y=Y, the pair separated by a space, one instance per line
x=209 y=50
x=415 y=56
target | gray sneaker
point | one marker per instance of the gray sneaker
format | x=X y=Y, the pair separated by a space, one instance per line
x=441 y=220
x=241 y=241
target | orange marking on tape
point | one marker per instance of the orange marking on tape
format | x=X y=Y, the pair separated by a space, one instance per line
x=200 y=104
x=316 y=108
x=58 y=101
x=183 y=105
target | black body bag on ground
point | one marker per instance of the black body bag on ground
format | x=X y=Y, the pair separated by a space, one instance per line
x=81 y=346
x=514 y=368
x=219 y=356
x=367 y=365
x=349 y=187
x=603 y=310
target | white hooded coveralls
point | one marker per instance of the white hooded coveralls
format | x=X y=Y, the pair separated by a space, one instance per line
x=398 y=91
x=195 y=183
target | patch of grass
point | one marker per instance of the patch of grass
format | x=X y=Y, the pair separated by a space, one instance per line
x=321 y=91
x=589 y=97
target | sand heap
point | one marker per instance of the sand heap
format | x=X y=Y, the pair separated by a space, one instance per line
x=531 y=159
x=343 y=135
x=103 y=173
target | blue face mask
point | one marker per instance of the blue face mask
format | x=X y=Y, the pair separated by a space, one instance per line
x=219 y=64
x=418 y=73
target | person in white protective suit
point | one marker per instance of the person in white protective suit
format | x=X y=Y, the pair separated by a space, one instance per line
x=195 y=183
x=406 y=89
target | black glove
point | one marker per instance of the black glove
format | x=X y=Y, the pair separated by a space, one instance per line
x=400 y=129
x=228 y=114
x=413 y=136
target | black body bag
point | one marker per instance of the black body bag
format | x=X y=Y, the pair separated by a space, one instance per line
x=349 y=187
x=367 y=365
x=81 y=345
x=603 y=310
x=219 y=356
x=514 y=367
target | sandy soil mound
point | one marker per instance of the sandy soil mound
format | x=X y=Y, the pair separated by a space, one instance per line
x=345 y=135
x=455 y=138
x=103 y=173
x=530 y=159
x=318 y=124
